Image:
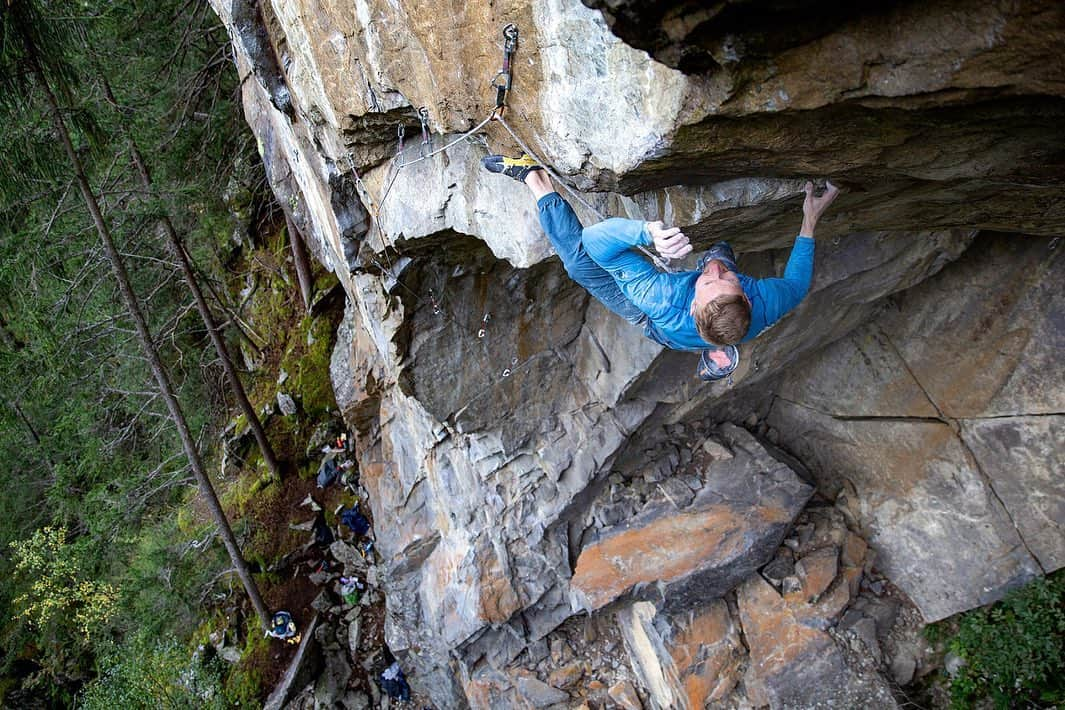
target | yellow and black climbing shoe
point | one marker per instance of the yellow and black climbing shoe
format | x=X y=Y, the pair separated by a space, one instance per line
x=517 y=168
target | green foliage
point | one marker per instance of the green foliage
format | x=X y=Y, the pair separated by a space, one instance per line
x=58 y=592
x=150 y=674
x=1014 y=651
x=60 y=610
x=91 y=461
x=244 y=684
x=308 y=364
x=162 y=573
x=934 y=633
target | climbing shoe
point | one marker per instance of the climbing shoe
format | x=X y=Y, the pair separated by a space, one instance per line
x=517 y=168
x=710 y=371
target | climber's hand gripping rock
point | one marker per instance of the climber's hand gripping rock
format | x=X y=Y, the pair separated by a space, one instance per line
x=670 y=243
x=813 y=207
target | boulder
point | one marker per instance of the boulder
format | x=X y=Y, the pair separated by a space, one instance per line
x=686 y=661
x=286 y=404
x=625 y=695
x=795 y=664
x=538 y=693
x=333 y=679
x=732 y=526
x=817 y=571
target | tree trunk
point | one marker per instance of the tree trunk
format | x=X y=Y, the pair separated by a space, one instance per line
x=179 y=253
x=34 y=435
x=145 y=338
x=299 y=258
x=244 y=330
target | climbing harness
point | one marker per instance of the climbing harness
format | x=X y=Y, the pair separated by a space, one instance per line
x=501 y=82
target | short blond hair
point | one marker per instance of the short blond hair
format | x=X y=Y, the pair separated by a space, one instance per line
x=724 y=320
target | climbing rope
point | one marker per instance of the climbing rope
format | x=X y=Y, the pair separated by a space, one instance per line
x=502 y=83
x=655 y=259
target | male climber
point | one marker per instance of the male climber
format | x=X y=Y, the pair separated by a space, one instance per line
x=708 y=310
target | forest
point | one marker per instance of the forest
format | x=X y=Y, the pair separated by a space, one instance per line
x=133 y=201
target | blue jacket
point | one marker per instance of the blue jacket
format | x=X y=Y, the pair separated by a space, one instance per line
x=666 y=298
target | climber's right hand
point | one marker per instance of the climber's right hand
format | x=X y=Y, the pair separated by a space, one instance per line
x=669 y=242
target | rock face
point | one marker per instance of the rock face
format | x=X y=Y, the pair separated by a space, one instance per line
x=515 y=436
x=702 y=541
x=949 y=446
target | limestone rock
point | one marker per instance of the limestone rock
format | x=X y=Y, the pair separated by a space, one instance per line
x=353 y=637
x=538 y=693
x=903 y=667
x=566 y=676
x=1023 y=458
x=348 y=556
x=229 y=654
x=685 y=661
x=817 y=570
x=707 y=652
x=323 y=602
x=648 y=656
x=355 y=700
x=625 y=695
x=286 y=404
x=333 y=680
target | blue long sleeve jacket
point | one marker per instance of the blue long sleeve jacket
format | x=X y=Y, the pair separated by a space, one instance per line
x=666 y=298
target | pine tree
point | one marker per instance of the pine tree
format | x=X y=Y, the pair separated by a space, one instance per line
x=179 y=254
x=33 y=59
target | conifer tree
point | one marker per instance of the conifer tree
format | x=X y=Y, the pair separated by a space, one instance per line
x=178 y=252
x=33 y=59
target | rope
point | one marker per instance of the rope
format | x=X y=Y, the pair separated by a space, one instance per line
x=397 y=165
x=502 y=84
x=400 y=165
x=655 y=259
x=461 y=138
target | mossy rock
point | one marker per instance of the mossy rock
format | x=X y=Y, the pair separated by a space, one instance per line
x=307 y=362
x=244 y=685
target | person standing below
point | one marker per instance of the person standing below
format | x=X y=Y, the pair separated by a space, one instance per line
x=709 y=310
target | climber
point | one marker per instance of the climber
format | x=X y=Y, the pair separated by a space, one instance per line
x=709 y=310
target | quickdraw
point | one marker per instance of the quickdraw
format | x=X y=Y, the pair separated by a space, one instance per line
x=375 y=106
x=426 y=146
x=502 y=80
